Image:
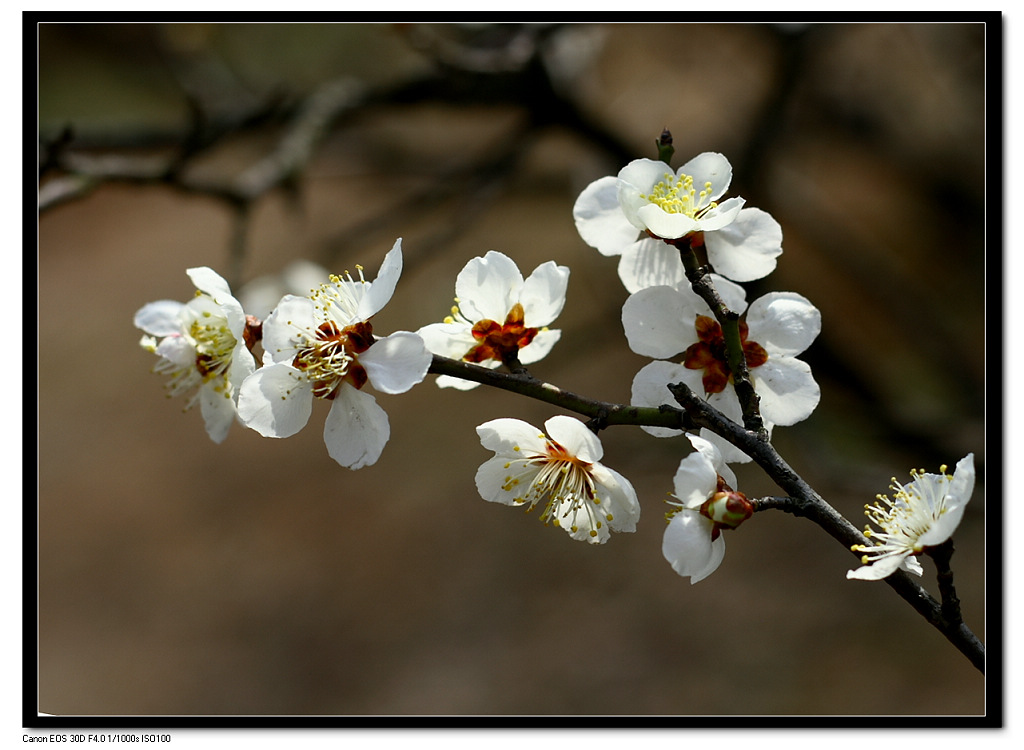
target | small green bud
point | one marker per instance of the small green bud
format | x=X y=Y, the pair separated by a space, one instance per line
x=665 y=148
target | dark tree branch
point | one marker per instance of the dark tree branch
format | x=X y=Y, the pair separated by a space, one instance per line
x=941 y=554
x=701 y=284
x=526 y=385
x=804 y=501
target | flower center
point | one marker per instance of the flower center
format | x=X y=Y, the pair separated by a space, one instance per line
x=214 y=344
x=905 y=518
x=710 y=355
x=498 y=341
x=563 y=481
x=677 y=195
x=330 y=358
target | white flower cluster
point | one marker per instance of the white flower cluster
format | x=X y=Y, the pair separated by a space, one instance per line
x=322 y=346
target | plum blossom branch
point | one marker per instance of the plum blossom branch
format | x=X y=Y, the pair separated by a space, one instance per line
x=950 y=601
x=804 y=501
x=702 y=285
x=527 y=385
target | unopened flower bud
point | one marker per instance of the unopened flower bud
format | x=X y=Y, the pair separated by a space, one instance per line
x=665 y=147
x=727 y=508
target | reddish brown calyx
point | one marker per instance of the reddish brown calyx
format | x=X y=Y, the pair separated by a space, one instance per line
x=500 y=342
x=727 y=508
x=710 y=355
x=692 y=241
x=253 y=332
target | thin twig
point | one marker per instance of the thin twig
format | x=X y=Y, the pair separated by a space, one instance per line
x=729 y=320
x=809 y=504
x=941 y=554
x=529 y=386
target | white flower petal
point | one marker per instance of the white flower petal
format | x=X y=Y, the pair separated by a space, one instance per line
x=452 y=340
x=722 y=215
x=488 y=287
x=242 y=366
x=650 y=389
x=618 y=498
x=537 y=349
x=962 y=486
x=688 y=548
x=879 y=569
x=659 y=321
x=381 y=288
x=496 y=479
x=161 y=318
x=276 y=401
x=911 y=565
x=663 y=224
x=599 y=218
x=650 y=262
x=695 y=480
x=957 y=493
x=396 y=363
x=714 y=455
x=746 y=249
x=784 y=323
x=218 y=411
x=729 y=452
x=787 y=390
x=644 y=174
x=574 y=436
x=580 y=525
x=177 y=349
x=508 y=437
x=709 y=167
x=543 y=294
x=210 y=282
x=637 y=179
x=447 y=381
x=291 y=322
x=356 y=429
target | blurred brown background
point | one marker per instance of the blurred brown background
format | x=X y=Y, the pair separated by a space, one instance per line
x=177 y=576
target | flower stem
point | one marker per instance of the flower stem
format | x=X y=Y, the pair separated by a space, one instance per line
x=696 y=413
x=604 y=413
x=701 y=284
x=947 y=592
x=804 y=501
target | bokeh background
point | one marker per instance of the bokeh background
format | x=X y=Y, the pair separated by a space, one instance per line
x=257 y=577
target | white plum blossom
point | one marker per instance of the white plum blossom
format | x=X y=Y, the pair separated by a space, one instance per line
x=499 y=314
x=645 y=212
x=663 y=322
x=923 y=513
x=201 y=345
x=561 y=470
x=323 y=347
x=707 y=504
